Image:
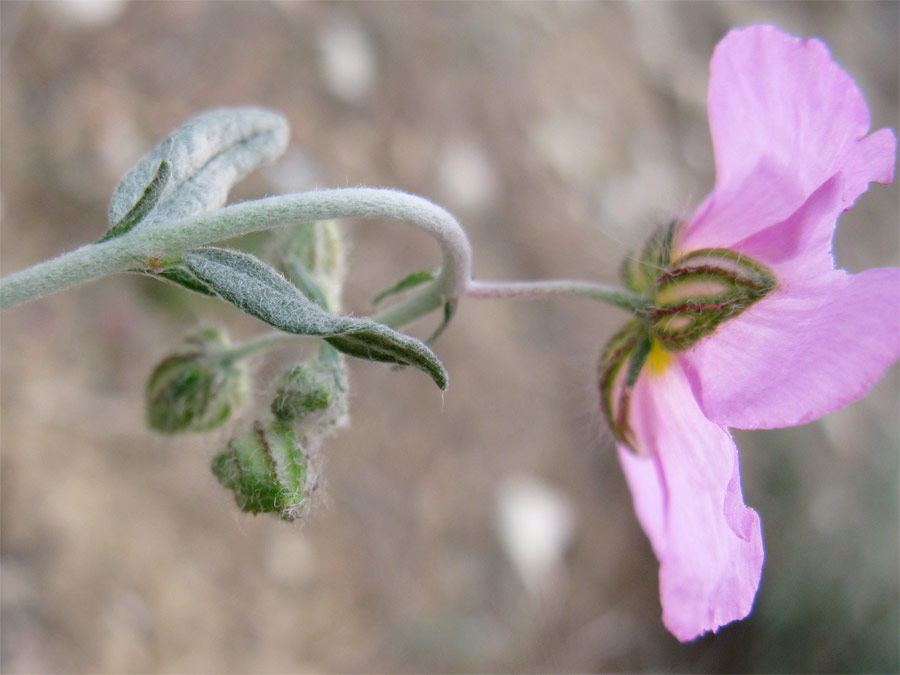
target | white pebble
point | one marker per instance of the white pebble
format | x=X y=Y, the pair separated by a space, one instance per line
x=536 y=523
x=347 y=61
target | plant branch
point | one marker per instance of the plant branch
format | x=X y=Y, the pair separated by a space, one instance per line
x=164 y=243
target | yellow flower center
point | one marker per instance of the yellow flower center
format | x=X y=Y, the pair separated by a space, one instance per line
x=659 y=358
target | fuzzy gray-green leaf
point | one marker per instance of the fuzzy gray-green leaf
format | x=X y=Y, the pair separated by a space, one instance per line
x=145 y=203
x=257 y=289
x=181 y=276
x=306 y=283
x=205 y=156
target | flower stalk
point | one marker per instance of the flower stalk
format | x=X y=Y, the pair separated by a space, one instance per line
x=532 y=290
x=258 y=344
x=164 y=244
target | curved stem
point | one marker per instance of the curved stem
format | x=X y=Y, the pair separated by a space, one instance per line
x=530 y=290
x=163 y=244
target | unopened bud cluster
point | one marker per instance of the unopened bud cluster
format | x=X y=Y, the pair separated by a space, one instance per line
x=273 y=466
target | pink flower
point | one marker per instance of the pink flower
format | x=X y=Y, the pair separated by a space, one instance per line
x=748 y=324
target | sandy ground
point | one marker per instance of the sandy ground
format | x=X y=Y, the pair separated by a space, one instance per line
x=560 y=134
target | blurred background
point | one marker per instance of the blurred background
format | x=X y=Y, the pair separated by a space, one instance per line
x=488 y=529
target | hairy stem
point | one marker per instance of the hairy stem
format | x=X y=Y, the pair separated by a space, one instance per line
x=530 y=290
x=261 y=343
x=164 y=243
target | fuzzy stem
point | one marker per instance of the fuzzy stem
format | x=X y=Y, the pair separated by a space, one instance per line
x=164 y=243
x=529 y=290
x=260 y=343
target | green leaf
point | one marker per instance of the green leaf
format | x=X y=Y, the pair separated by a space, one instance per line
x=306 y=283
x=205 y=157
x=258 y=290
x=449 y=312
x=410 y=281
x=377 y=342
x=181 y=276
x=144 y=205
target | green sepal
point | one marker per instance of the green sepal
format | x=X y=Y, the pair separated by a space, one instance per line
x=637 y=359
x=701 y=290
x=260 y=291
x=144 y=204
x=620 y=364
x=303 y=392
x=197 y=387
x=641 y=272
x=409 y=281
x=267 y=469
x=688 y=298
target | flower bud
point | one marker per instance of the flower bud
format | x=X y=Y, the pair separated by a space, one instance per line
x=313 y=392
x=197 y=387
x=267 y=469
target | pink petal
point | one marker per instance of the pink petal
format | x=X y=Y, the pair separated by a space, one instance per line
x=780 y=102
x=687 y=496
x=798 y=249
x=806 y=350
x=733 y=212
x=871 y=160
x=817 y=343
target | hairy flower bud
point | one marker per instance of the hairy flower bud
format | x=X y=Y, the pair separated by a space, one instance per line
x=313 y=393
x=197 y=387
x=267 y=469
